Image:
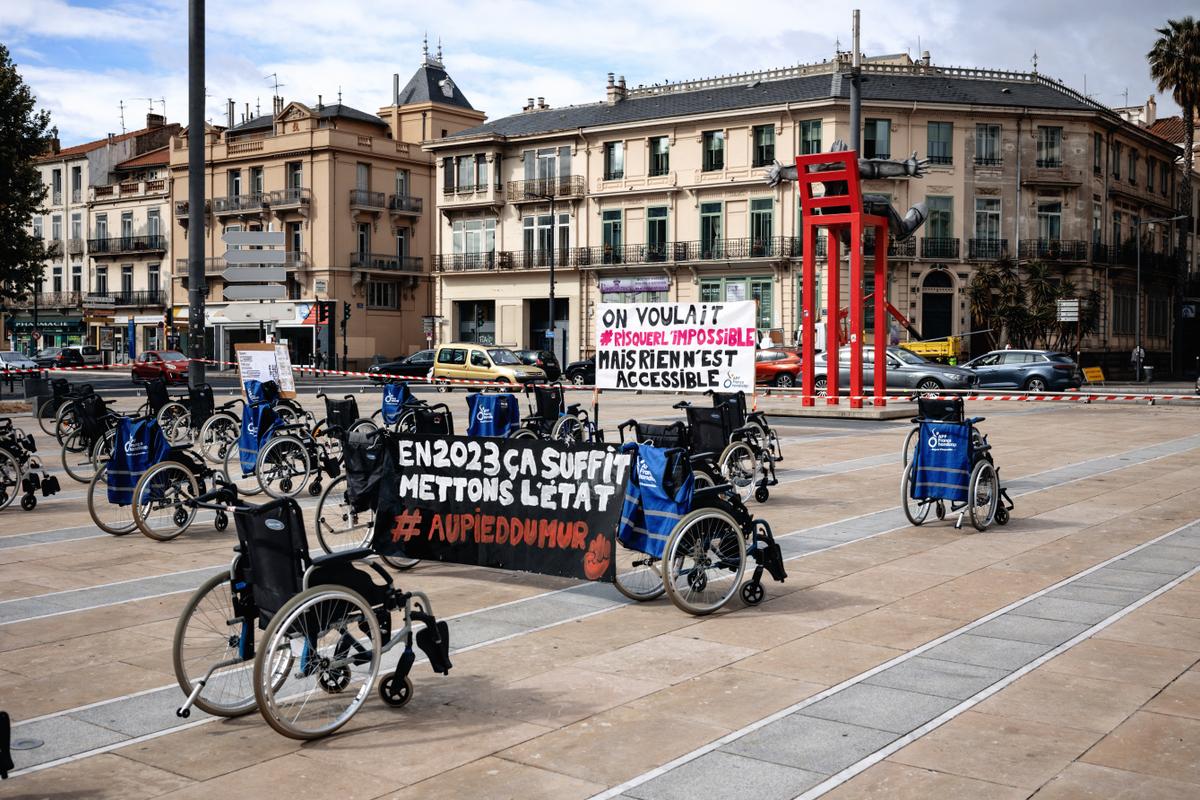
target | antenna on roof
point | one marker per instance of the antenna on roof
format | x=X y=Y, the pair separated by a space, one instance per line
x=425 y=46
x=274 y=78
x=339 y=95
x=1035 y=62
x=439 y=52
x=121 y=104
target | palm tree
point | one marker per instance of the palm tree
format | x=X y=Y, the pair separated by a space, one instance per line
x=1175 y=65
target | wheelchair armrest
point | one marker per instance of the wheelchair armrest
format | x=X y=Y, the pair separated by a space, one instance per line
x=746 y=429
x=696 y=458
x=357 y=554
x=704 y=492
x=629 y=423
x=975 y=420
x=573 y=409
x=230 y=404
x=290 y=426
x=682 y=404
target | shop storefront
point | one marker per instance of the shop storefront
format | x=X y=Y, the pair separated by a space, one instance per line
x=652 y=289
x=50 y=331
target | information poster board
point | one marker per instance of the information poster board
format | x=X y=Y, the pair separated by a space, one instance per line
x=517 y=504
x=266 y=361
x=676 y=347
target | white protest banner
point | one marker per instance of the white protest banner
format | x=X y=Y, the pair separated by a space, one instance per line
x=681 y=347
x=264 y=361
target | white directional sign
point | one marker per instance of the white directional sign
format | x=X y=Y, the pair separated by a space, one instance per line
x=259 y=312
x=1068 y=310
x=255 y=256
x=255 y=291
x=254 y=238
x=254 y=274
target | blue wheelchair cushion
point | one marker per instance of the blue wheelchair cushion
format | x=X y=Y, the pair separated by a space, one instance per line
x=493 y=414
x=943 y=462
x=258 y=422
x=139 y=445
x=657 y=495
x=395 y=395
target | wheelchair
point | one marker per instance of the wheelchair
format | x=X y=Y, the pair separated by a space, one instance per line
x=551 y=418
x=88 y=441
x=298 y=453
x=325 y=622
x=746 y=456
x=47 y=412
x=345 y=517
x=161 y=500
x=705 y=471
x=950 y=465
x=66 y=418
x=197 y=418
x=21 y=468
x=689 y=540
x=754 y=420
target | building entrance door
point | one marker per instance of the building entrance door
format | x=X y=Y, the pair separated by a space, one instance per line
x=937 y=305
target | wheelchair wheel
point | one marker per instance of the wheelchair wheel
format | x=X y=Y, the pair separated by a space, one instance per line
x=47 y=415
x=909 y=452
x=568 y=428
x=704 y=561
x=246 y=485
x=176 y=422
x=984 y=494
x=523 y=433
x=333 y=635
x=407 y=422
x=66 y=421
x=1002 y=516
x=283 y=467
x=218 y=435
x=396 y=693
x=109 y=517
x=158 y=500
x=339 y=527
x=639 y=576
x=214 y=643
x=916 y=510
x=742 y=467
x=10 y=478
x=76 y=458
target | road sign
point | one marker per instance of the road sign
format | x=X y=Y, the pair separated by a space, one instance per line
x=250 y=274
x=1068 y=310
x=255 y=291
x=254 y=238
x=320 y=286
x=99 y=301
x=259 y=312
x=255 y=256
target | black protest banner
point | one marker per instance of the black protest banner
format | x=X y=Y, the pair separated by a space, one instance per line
x=515 y=504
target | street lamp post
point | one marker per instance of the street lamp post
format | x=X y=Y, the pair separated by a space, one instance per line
x=549 y=195
x=1137 y=348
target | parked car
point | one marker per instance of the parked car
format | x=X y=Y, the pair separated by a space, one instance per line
x=583 y=372
x=1031 y=370
x=11 y=359
x=777 y=366
x=90 y=353
x=544 y=360
x=170 y=365
x=478 y=362
x=59 y=357
x=415 y=366
x=905 y=371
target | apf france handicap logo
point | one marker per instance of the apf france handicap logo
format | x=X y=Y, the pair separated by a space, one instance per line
x=645 y=476
x=251 y=428
x=136 y=448
x=940 y=441
x=484 y=414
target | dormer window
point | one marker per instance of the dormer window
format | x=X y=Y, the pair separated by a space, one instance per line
x=447 y=87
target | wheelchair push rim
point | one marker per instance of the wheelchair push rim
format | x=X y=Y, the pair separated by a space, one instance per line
x=917 y=511
x=704 y=561
x=284 y=467
x=159 y=507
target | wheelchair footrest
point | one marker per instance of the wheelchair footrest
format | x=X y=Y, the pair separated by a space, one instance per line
x=771 y=558
x=50 y=485
x=404 y=666
x=434 y=641
x=6 y=762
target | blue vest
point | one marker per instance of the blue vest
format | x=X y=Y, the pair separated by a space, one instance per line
x=258 y=421
x=654 y=504
x=943 y=462
x=395 y=395
x=139 y=445
x=493 y=414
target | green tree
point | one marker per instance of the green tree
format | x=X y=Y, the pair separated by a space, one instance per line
x=1175 y=65
x=22 y=139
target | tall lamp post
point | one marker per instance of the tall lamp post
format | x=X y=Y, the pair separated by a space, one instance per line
x=549 y=195
x=1138 y=223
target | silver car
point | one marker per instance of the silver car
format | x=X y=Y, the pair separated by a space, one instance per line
x=905 y=371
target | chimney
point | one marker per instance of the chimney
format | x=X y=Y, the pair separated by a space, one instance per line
x=229 y=111
x=616 y=91
x=925 y=58
x=155 y=120
x=528 y=106
x=247 y=116
x=320 y=103
x=112 y=138
x=1151 y=111
x=395 y=88
x=541 y=102
x=611 y=90
x=55 y=144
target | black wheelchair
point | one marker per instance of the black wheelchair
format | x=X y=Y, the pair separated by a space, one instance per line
x=970 y=487
x=20 y=468
x=746 y=445
x=326 y=625
x=550 y=417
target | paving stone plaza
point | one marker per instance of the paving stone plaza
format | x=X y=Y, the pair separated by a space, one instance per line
x=1054 y=657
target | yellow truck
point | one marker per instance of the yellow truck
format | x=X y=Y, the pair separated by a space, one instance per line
x=948 y=350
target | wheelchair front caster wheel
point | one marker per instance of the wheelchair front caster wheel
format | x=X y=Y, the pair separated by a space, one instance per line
x=29 y=502
x=1002 y=516
x=285 y=485
x=222 y=521
x=761 y=494
x=396 y=692
x=314 y=488
x=183 y=713
x=180 y=517
x=753 y=593
x=940 y=510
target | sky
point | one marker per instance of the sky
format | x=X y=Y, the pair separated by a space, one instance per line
x=83 y=58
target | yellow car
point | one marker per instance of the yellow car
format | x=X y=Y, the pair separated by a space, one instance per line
x=467 y=361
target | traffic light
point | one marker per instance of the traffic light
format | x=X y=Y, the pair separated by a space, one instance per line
x=323 y=307
x=345 y=312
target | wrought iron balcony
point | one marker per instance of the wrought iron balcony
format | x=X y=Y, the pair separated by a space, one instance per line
x=386 y=261
x=181 y=208
x=361 y=198
x=896 y=250
x=467 y=262
x=294 y=259
x=290 y=198
x=941 y=161
x=987 y=249
x=989 y=161
x=54 y=248
x=1048 y=163
x=75 y=247
x=405 y=204
x=939 y=247
x=240 y=203
x=140 y=298
x=48 y=300
x=538 y=189
x=118 y=245
x=1054 y=249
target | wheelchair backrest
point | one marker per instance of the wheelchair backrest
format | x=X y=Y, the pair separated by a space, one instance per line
x=91 y=410
x=737 y=400
x=665 y=436
x=938 y=410
x=156 y=394
x=492 y=415
x=200 y=403
x=548 y=401
x=341 y=414
x=369 y=456
x=710 y=429
x=60 y=387
x=433 y=420
x=273 y=539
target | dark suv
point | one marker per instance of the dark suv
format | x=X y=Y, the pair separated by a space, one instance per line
x=1031 y=370
x=544 y=360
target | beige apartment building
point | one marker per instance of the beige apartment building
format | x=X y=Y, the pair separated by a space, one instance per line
x=55 y=314
x=658 y=193
x=353 y=194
